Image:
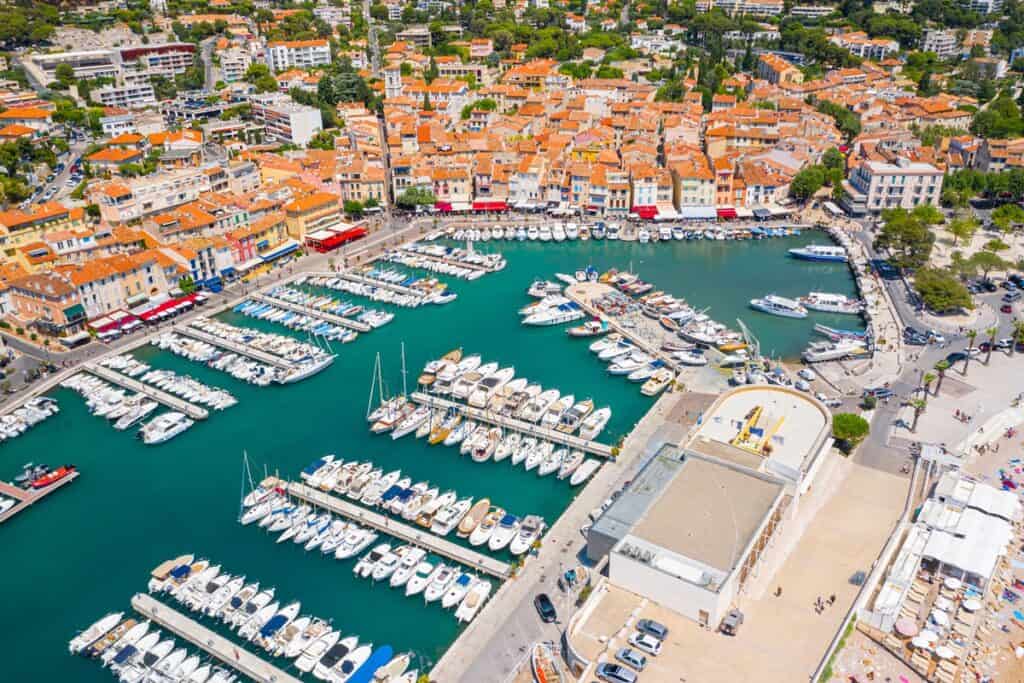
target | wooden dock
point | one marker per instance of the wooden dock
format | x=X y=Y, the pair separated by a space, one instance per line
x=28 y=498
x=210 y=642
x=421 y=537
x=158 y=395
x=240 y=349
x=526 y=428
x=331 y=318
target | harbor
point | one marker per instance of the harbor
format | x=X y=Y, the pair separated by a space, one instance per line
x=318 y=416
x=306 y=310
x=172 y=402
x=238 y=658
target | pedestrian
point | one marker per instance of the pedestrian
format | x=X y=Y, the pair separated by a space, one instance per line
x=832 y=599
x=778 y=592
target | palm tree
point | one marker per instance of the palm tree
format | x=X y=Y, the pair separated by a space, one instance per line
x=1018 y=335
x=941 y=368
x=926 y=382
x=991 y=332
x=919 y=407
x=971 y=335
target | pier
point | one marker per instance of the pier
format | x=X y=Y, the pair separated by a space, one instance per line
x=240 y=349
x=126 y=382
x=373 y=282
x=314 y=312
x=210 y=642
x=421 y=537
x=527 y=428
x=30 y=497
x=446 y=261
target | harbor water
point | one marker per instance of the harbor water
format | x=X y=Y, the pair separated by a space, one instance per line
x=89 y=547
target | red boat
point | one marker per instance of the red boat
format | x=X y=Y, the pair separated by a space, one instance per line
x=53 y=477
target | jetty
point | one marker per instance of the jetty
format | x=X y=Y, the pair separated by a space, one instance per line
x=526 y=428
x=27 y=498
x=240 y=349
x=210 y=642
x=392 y=527
x=313 y=312
x=446 y=260
x=374 y=282
x=125 y=382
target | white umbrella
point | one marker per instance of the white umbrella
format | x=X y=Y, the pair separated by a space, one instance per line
x=944 y=604
x=972 y=605
x=921 y=643
x=944 y=652
x=940 y=617
x=953 y=584
x=929 y=636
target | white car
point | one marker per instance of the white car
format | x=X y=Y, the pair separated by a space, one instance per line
x=646 y=642
x=807 y=374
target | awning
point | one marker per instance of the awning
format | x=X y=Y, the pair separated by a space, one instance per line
x=137 y=299
x=490 y=206
x=76 y=338
x=697 y=212
x=168 y=308
x=761 y=213
x=227 y=272
x=666 y=213
x=780 y=210
x=742 y=212
x=645 y=212
x=263 y=244
x=282 y=249
x=833 y=209
x=443 y=206
x=461 y=206
x=250 y=264
x=727 y=212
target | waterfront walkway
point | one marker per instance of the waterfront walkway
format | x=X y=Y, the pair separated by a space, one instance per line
x=527 y=428
x=223 y=649
x=240 y=349
x=313 y=312
x=425 y=539
x=31 y=497
x=125 y=382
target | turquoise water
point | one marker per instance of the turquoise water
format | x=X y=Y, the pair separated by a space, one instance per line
x=87 y=548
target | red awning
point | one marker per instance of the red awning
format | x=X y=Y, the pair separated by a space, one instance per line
x=645 y=212
x=727 y=212
x=490 y=206
x=167 y=305
x=443 y=206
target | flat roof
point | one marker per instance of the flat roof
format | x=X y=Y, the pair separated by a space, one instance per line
x=710 y=512
x=785 y=426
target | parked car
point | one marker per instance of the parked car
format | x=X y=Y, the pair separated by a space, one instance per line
x=936 y=337
x=988 y=286
x=652 y=627
x=631 y=657
x=646 y=642
x=732 y=622
x=1011 y=297
x=1008 y=286
x=1006 y=308
x=1017 y=279
x=956 y=357
x=1004 y=343
x=613 y=673
x=545 y=608
x=879 y=393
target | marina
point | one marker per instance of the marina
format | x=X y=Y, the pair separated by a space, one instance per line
x=173 y=402
x=29 y=414
x=450 y=260
x=331 y=318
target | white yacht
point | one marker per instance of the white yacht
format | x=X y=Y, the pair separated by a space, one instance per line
x=780 y=306
x=820 y=252
x=595 y=423
x=421 y=576
x=503 y=534
x=832 y=303
x=164 y=428
x=819 y=352
x=529 y=532
x=474 y=599
x=442 y=580
x=489 y=385
x=457 y=591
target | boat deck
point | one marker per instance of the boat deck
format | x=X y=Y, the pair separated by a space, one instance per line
x=526 y=428
x=193 y=411
x=313 y=312
x=421 y=537
x=240 y=349
x=223 y=649
x=28 y=498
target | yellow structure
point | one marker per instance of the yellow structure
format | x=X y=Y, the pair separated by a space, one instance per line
x=753 y=438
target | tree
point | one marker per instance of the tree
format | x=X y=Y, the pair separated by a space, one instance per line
x=65 y=74
x=963 y=228
x=907 y=238
x=941 y=291
x=485 y=104
x=928 y=214
x=342 y=83
x=941 y=368
x=926 y=383
x=259 y=75
x=833 y=159
x=971 y=335
x=808 y=181
x=991 y=332
x=1007 y=216
x=1001 y=119
x=353 y=208
x=322 y=140
x=850 y=429
x=1017 y=336
x=412 y=197
x=919 y=406
x=986 y=261
x=186 y=284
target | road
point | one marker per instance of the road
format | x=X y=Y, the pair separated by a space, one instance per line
x=372 y=38
x=209 y=74
x=58 y=185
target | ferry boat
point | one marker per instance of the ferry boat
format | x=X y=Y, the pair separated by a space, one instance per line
x=820 y=252
x=832 y=303
x=53 y=477
x=780 y=306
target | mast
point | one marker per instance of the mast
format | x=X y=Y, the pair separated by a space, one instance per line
x=405 y=391
x=373 y=383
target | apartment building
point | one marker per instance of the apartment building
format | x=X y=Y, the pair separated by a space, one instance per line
x=777 y=70
x=164 y=59
x=755 y=8
x=116 y=282
x=996 y=156
x=876 y=185
x=336 y=15
x=297 y=54
x=417 y=35
x=131 y=199
x=136 y=96
x=18 y=227
x=858 y=43
x=942 y=42
x=312 y=212
x=983 y=6
x=285 y=119
x=48 y=302
x=234 y=62
x=812 y=11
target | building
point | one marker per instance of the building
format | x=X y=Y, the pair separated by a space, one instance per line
x=812 y=11
x=691 y=527
x=754 y=8
x=417 y=35
x=131 y=199
x=942 y=42
x=48 y=302
x=164 y=59
x=285 y=119
x=336 y=15
x=777 y=70
x=313 y=212
x=234 y=62
x=984 y=6
x=877 y=185
x=997 y=155
x=297 y=54
x=858 y=43
x=134 y=96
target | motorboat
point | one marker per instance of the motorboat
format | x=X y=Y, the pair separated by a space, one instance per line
x=356 y=541
x=529 y=533
x=551 y=462
x=412 y=422
x=584 y=471
x=820 y=252
x=594 y=423
x=832 y=303
x=164 y=427
x=535 y=409
x=421 y=576
x=485 y=447
x=474 y=600
x=352 y=663
x=488 y=386
x=507 y=446
x=505 y=531
x=442 y=580
x=540 y=289
x=591 y=328
x=823 y=351
x=250 y=609
x=554 y=412
x=251 y=628
x=407 y=565
x=465 y=384
x=570 y=463
x=556 y=315
x=483 y=532
x=449 y=516
x=658 y=382
x=602 y=344
x=780 y=306
x=364 y=567
x=94 y=632
x=643 y=235
x=316 y=650
x=625 y=365
x=474 y=517
x=431 y=369
x=457 y=591
x=324 y=668
x=693 y=357
x=572 y=418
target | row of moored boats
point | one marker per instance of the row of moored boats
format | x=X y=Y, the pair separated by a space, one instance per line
x=238 y=366
x=371 y=317
x=30 y=413
x=126 y=410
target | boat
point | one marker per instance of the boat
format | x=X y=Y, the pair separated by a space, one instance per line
x=485 y=446
x=316 y=650
x=488 y=386
x=51 y=478
x=504 y=532
x=473 y=601
x=822 y=351
x=553 y=414
x=693 y=357
x=457 y=590
x=421 y=577
x=591 y=328
x=535 y=408
x=474 y=517
x=412 y=422
x=324 y=668
x=820 y=252
x=164 y=427
x=832 y=303
x=94 y=632
x=657 y=382
x=483 y=532
x=780 y=306
x=544 y=665
x=442 y=580
x=584 y=471
x=507 y=446
x=572 y=418
x=594 y=423
x=431 y=369
x=555 y=315
x=552 y=462
x=112 y=637
x=528 y=534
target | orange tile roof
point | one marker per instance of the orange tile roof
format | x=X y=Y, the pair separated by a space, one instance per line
x=16 y=130
x=312 y=201
x=114 y=155
x=25 y=113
